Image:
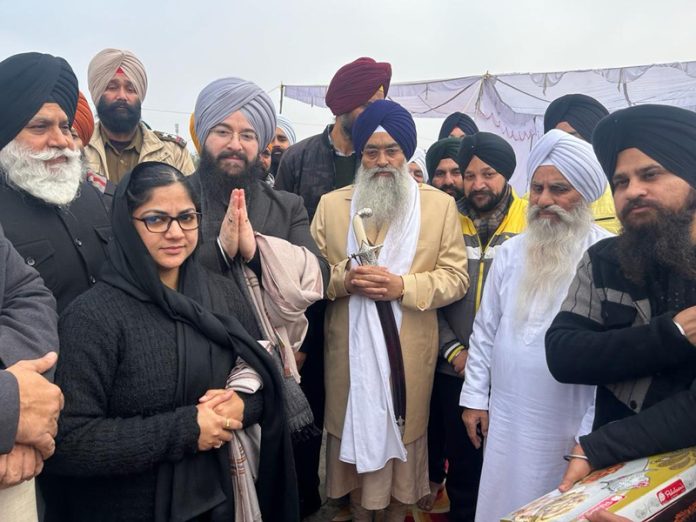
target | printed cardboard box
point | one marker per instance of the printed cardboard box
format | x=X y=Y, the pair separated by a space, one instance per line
x=659 y=488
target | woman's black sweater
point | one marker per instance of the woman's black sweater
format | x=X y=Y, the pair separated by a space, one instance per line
x=118 y=371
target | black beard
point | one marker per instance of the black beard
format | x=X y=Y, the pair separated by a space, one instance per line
x=492 y=203
x=276 y=155
x=219 y=184
x=665 y=242
x=346 y=125
x=117 y=120
x=458 y=194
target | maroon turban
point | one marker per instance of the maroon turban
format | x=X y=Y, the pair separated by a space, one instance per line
x=355 y=83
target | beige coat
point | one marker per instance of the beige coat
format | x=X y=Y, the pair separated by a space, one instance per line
x=171 y=151
x=437 y=277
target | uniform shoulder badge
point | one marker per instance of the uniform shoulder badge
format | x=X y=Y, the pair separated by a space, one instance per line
x=165 y=136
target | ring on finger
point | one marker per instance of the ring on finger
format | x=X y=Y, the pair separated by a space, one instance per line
x=228 y=424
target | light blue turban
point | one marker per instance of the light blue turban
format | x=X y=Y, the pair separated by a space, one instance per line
x=286 y=125
x=228 y=95
x=574 y=158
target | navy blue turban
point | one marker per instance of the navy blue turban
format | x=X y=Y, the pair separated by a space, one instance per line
x=489 y=148
x=29 y=80
x=581 y=112
x=393 y=118
x=441 y=149
x=457 y=120
x=667 y=134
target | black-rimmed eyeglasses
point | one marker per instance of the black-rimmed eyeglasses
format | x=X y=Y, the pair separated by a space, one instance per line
x=160 y=223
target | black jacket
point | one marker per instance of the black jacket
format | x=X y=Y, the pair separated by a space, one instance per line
x=272 y=213
x=65 y=244
x=308 y=170
x=644 y=369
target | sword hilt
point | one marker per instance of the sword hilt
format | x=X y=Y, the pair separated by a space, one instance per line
x=367 y=254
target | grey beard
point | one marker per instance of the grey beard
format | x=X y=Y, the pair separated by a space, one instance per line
x=388 y=197
x=553 y=250
x=27 y=170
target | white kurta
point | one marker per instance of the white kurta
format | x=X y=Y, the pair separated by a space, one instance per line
x=534 y=420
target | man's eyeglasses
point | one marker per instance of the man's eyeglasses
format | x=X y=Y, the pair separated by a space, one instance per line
x=372 y=153
x=160 y=223
x=223 y=133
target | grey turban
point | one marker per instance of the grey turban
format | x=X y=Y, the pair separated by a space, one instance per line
x=107 y=63
x=574 y=158
x=286 y=125
x=228 y=95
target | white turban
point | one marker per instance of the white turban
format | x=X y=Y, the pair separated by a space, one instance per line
x=103 y=68
x=419 y=158
x=228 y=95
x=574 y=158
x=286 y=126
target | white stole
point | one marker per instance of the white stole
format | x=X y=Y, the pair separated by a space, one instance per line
x=371 y=436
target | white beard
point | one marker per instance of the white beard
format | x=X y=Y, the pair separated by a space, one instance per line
x=553 y=250
x=27 y=170
x=388 y=197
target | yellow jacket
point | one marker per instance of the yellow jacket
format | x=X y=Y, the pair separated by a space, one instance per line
x=604 y=212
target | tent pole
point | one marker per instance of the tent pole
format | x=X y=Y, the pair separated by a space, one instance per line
x=282 y=91
x=477 y=105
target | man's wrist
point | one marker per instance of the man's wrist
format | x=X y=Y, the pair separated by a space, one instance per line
x=250 y=258
x=346 y=284
x=680 y=328
x=453 y=352
x=221 y=249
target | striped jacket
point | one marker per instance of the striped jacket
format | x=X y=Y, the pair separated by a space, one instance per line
x=457 y=320
x=645 y=370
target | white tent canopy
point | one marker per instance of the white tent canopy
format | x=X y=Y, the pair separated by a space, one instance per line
x=513 y=105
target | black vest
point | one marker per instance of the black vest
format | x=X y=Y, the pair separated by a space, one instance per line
x=65 y=244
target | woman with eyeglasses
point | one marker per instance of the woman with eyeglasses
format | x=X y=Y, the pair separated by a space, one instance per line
x=138 y=351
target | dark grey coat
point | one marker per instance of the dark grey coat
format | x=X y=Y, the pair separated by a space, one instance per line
x=28 y=330
x=272 y=213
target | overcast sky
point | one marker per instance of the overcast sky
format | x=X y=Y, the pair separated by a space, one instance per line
x=187 y=44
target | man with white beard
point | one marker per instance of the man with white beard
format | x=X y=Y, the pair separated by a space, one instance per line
x=527 y=419
x=56 y=221
x=381 y=323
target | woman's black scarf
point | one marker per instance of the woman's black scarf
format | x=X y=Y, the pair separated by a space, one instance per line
x=207 y=346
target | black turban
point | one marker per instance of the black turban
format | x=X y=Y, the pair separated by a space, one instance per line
x=489 y=148
x=581 y=112
x=29 y=80
x=442 y=149
x=667 y=134
x=457 y=120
